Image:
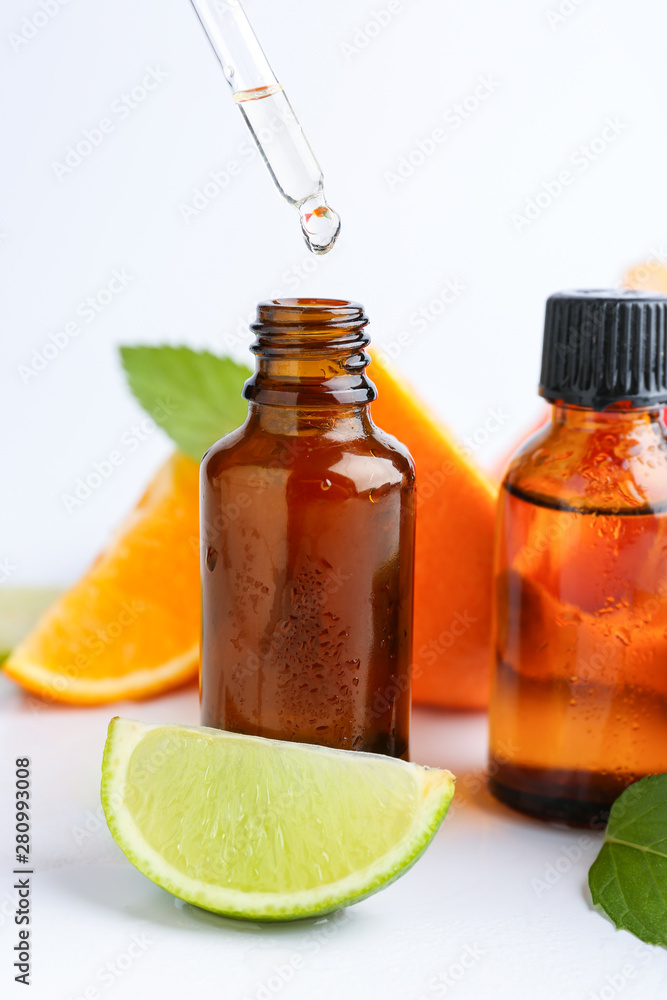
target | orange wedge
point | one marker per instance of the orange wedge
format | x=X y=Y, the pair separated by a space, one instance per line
x=453 y=555
x=130 y=627
x=648 y=277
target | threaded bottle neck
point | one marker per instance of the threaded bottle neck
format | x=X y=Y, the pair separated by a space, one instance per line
x=310 y=353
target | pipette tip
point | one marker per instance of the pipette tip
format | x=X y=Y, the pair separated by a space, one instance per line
x=320 y=225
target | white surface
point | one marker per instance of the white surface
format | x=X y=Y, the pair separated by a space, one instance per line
x=363 y=110
x=479 y=893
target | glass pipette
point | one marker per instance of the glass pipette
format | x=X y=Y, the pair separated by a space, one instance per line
x=270 y=118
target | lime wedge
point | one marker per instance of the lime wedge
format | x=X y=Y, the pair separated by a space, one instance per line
x=261 y=829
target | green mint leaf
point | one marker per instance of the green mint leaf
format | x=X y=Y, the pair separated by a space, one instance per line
x=194 y=396
x=628 y=879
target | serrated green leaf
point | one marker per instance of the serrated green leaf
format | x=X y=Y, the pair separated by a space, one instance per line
x=194 y=396
x=628 y=879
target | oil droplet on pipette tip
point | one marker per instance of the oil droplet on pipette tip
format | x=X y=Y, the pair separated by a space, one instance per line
x=320 y=225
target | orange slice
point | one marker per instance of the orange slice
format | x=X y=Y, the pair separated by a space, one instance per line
x=130 y=627
x=453 y=554
x=648 y=277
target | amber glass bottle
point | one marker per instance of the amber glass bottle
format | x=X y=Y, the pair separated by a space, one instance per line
x=579 y=696
x=307 y=523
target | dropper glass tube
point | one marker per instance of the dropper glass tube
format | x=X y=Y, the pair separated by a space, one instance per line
x=270 y=118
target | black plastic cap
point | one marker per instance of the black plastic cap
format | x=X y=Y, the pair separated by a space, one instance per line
x=601 y=347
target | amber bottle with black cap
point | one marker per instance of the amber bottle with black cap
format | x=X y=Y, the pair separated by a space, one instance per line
x=579 y=696
x=307 y=526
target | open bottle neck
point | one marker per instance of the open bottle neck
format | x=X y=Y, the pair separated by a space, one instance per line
x=311 y=355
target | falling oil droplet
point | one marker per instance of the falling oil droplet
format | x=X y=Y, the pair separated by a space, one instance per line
x=326 y=484
x=320 y=225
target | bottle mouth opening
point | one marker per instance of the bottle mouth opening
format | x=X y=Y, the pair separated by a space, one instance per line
x=310 y=352
x=308 y=314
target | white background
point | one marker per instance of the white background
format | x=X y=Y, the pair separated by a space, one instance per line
x=363 y=109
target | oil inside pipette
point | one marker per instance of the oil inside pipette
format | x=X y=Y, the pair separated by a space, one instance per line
x=291 y=162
